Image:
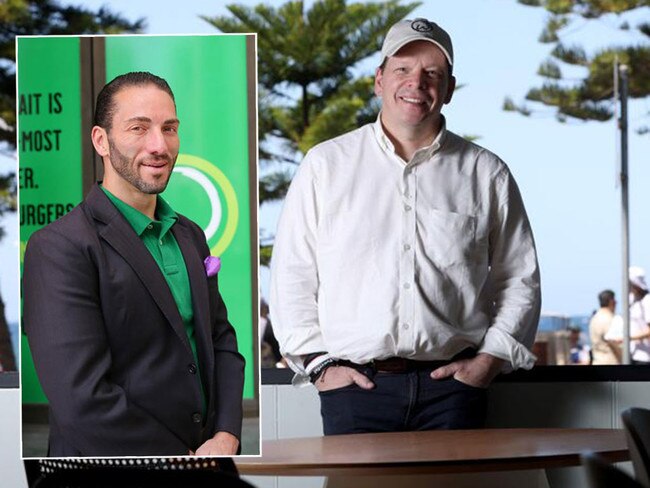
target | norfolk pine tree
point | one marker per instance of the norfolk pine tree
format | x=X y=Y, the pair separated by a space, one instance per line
x=588 y=98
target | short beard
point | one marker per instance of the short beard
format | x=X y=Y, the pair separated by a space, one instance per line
x=127 y=168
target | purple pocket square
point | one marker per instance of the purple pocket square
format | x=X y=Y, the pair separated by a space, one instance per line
x=212 y=265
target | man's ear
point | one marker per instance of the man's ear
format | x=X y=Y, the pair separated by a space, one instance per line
x=379 y=76
x=450 y=89
x=99 y=137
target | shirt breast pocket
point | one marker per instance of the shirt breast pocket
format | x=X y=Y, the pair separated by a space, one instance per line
x=451 y=238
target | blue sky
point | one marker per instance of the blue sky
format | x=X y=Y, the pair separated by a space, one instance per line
x=566 y=172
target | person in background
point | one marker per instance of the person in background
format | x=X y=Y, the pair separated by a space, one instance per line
x=639 y=319
x=579 y=353
x=639 y=316
x=604 y=351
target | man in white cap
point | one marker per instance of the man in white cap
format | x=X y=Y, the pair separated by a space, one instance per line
x=639 y=317
x=404 y=272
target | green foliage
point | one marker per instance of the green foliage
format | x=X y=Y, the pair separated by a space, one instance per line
x=344 y=108
x=510 y=106
x=589 y=97
x=550 y=69
x=555 y=24
x=644 y=28
x=8 y=202
x=274 y=186
x=7 y=194
x=265 y=254
x=309 y=91
x=588 y=9
x=575 y=55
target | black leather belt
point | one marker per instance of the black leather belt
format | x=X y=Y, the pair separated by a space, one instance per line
x=403 y=365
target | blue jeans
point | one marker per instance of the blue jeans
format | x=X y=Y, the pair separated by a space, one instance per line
x=403 y=402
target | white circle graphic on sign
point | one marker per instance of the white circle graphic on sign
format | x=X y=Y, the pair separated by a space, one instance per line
x=211 y=192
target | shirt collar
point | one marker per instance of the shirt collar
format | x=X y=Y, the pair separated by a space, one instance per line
x=387 y=145
x=139 y=221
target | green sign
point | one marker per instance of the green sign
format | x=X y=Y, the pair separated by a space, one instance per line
x=49 y=148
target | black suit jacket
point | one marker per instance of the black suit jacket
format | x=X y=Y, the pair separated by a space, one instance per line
x=109 y=345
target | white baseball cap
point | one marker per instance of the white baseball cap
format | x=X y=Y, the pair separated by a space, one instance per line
x=637 y=277
x=406 y=31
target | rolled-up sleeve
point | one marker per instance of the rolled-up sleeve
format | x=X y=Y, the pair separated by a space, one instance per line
x=514 y=279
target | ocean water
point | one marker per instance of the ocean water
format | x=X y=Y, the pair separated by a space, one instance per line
x=556 y=323
x=551 y=323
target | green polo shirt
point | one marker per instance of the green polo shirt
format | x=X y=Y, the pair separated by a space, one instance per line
x=157 y=237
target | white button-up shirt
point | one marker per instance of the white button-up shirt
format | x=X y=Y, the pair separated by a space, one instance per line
x=377 y=257
x=640 y=325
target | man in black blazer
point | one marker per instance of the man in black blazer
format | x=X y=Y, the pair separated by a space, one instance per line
x=129 y=334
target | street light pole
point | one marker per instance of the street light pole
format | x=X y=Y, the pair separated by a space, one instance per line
x=621 y=76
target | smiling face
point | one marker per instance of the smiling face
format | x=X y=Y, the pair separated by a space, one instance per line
x=414 y=85
x=141 y=146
